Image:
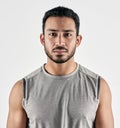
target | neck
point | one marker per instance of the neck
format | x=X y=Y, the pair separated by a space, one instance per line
x=60 y=69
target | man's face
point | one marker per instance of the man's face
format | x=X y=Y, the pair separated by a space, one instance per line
x=59 y=39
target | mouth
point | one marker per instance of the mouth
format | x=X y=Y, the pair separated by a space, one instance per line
x=60 y=50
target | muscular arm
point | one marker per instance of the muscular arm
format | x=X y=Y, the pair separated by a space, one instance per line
x=16 y=116
x=104 y=116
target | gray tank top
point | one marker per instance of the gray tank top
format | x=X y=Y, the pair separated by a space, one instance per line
x=69 y=101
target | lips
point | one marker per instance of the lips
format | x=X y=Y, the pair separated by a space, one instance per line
x=60 y=50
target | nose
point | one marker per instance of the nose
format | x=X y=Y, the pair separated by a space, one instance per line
x=60 y=40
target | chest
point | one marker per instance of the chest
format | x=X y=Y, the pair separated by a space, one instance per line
x=69 y=99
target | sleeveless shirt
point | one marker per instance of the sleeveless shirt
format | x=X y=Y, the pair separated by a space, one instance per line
x=68 y=101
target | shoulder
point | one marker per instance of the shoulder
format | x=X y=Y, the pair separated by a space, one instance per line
x=34 y=73
x=87 y=72
x=17 y=87
x=15 y=107
x=105 y=92
x=104 y=115
x=16 y=94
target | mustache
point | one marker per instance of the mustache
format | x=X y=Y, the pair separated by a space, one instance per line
x=59 y=48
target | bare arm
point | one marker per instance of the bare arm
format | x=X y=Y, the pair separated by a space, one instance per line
x=16 y=116
x=104 y=116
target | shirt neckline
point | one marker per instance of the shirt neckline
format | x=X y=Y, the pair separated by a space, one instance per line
x=60 y=77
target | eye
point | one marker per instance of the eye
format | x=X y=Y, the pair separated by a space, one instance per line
x=52 y=34
x=67 y=35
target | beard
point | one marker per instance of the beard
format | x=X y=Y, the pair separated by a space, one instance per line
x=59 y=59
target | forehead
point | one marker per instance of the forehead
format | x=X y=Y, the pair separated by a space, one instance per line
x=60 y=23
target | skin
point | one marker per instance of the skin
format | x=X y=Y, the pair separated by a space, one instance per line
x=61 y=33
x=60 y=42
x=16 y=117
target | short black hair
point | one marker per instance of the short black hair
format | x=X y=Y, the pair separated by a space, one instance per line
x=61 y=11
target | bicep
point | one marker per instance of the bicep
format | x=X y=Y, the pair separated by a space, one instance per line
x=104 y=116
x=16 y=116
x=16 y=119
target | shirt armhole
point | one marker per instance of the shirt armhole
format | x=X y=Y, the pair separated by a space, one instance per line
x=24 y=88
x=98 y=88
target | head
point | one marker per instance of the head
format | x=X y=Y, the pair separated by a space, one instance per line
x=60 y=35
x=62 y=12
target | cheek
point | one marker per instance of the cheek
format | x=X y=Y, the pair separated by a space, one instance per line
x=48 y=45
x=72 y=41
x=71 y=44
x=49 y=42
x=72 y=48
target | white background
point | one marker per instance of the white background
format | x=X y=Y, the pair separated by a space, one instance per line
x=22 y=53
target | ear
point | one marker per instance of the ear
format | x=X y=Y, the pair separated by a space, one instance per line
x=78 y=40
x=42 y=40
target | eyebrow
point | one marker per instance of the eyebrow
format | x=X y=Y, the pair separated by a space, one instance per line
x=55 y=30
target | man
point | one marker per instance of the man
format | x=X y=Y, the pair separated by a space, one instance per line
x=61 y=93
